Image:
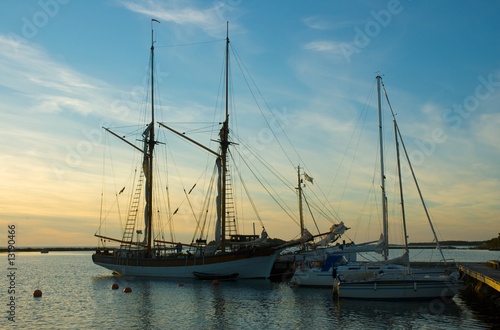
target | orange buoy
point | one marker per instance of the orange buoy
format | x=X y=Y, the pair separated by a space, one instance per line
x=215 y=282
x=127 y=290
x=37 y=293
x=115 y=286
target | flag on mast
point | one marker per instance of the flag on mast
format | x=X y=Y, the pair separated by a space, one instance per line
x=308 y=178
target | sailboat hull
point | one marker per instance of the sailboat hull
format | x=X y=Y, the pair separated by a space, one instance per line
x=399 y=289
x=250 y=264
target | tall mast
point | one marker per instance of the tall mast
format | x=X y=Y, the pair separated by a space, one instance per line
x=224 y=143
x=403 y=215
x=382 y=175
x=151 y=144
x=301 y=213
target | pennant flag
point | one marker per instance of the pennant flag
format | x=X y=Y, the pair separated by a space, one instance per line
x=121 y=190
x=308 y=178
x=155 y=20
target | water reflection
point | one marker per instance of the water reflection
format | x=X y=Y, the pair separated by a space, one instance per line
x=77 y=294
x=401 y=314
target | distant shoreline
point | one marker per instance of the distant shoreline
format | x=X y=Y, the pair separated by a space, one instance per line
x=50 y=249
x=424 y=245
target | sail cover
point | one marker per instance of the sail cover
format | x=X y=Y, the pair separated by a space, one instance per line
x=146 y=168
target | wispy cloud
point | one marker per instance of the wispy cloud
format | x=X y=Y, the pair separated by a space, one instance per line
x=486 y=129
x=324 y=46
x=50 y=86
x=327 y=23
x=178 y=12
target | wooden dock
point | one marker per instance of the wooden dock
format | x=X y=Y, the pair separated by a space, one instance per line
x=487 y=272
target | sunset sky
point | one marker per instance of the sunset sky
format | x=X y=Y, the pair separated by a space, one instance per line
x=67 y=65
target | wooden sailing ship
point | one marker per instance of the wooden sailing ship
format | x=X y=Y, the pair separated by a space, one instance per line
x=248 y=256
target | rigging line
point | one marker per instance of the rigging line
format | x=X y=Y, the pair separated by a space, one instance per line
x=362 y=115
x=414 y=177
x=250 y=199
x=159 y=198
x=241 y=65
x=310 y=212
x=416 y=182
x=254 y=170
x=192 y=210
x=114 y=184
x=263 y=161
x=324 y=210
x=371 y=193
x=167 y=191
x=191 y=44
x=102 y=188
x=267 y=190
x=206 y=204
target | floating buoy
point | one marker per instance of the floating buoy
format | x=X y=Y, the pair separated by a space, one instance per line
x=215 y=282
x=115 y=286
x=127 y=290
x=37 y=293
x=180 y=284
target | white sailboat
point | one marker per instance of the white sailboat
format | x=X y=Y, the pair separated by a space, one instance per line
x=230 y=256
x=391 y=281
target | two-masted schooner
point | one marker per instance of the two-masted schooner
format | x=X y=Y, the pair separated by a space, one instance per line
x=241 y=256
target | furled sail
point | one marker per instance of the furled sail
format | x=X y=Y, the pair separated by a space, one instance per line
x=335 y=231
x=146 y=169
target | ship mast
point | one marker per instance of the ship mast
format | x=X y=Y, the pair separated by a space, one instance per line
x=224 y=144
x=150 y=142
x=301 y=212
x=382 y=176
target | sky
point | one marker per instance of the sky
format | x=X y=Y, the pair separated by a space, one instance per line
x=69 y=67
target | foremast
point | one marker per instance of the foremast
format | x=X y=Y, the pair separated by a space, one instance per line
x=149 y=144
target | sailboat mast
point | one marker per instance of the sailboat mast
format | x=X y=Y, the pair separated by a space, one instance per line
x=151 y=144
x=382 y=175
x=299 y=191
x=403 y=214
x=224 y=143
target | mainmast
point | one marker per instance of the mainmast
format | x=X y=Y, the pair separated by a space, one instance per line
x=382 y=176
x=224 y=143
x=150 y=143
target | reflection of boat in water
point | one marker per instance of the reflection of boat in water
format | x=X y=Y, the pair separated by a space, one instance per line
x=371 y=281
x=209 y=276
x=249 y=256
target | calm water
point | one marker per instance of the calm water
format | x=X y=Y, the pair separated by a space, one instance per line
x=77 y=295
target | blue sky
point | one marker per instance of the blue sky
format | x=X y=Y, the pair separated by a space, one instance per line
x=68 y=67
